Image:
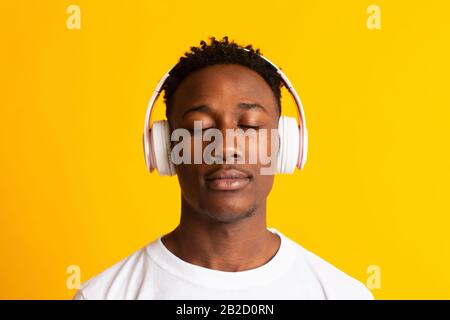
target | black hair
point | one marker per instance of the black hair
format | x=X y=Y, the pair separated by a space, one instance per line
x=222 y=52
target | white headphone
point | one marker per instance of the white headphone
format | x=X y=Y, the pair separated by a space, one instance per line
x=293 y=147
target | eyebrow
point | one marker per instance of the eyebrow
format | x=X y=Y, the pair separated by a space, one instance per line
x=248 y=106
x=201 y=108
x=242 y=105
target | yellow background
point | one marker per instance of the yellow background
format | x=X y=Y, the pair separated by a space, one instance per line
x=73 y=185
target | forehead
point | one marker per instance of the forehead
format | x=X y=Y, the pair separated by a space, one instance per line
x=223 y=82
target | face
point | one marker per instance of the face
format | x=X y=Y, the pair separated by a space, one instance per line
x=225 y=96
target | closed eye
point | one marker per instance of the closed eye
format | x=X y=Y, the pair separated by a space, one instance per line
x=249 y=127
x=193 y=130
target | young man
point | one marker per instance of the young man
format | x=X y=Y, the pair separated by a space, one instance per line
x=222 y=248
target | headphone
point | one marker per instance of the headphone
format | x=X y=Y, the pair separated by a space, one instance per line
x=293 y=147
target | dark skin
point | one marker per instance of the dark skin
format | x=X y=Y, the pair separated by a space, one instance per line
x=223 y=230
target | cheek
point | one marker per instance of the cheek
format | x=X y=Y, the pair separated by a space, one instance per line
x=262 y=146
x=188 y=178
x=270 y=142
x=263 y=184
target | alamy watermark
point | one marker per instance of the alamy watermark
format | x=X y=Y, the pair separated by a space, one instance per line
x=249 y=146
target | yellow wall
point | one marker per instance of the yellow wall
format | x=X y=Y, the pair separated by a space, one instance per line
x=73 y=184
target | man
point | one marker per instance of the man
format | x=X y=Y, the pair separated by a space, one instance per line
x=222 y=248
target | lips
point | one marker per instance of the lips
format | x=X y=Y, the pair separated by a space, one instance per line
x=227 y=180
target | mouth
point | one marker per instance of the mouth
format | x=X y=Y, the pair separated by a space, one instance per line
x=227 y=180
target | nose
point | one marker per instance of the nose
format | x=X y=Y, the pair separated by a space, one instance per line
x=232 y=148
x=232 y=152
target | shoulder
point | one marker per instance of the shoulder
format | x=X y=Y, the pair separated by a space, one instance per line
x=335 y=283
x=117 y=281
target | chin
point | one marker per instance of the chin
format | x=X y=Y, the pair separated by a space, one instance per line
x=229 y=214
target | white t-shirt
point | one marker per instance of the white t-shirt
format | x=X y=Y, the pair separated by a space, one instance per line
x=154 y=272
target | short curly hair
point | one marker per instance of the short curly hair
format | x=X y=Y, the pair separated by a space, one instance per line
x=221 y=52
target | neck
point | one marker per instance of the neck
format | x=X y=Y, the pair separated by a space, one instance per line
x=234 y=246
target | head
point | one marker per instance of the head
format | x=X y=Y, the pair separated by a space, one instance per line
x=224 y=87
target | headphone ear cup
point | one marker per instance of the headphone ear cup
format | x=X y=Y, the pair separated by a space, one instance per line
x=160 y=148
x=289 y=145
x=303 y=154
x=146 y=143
